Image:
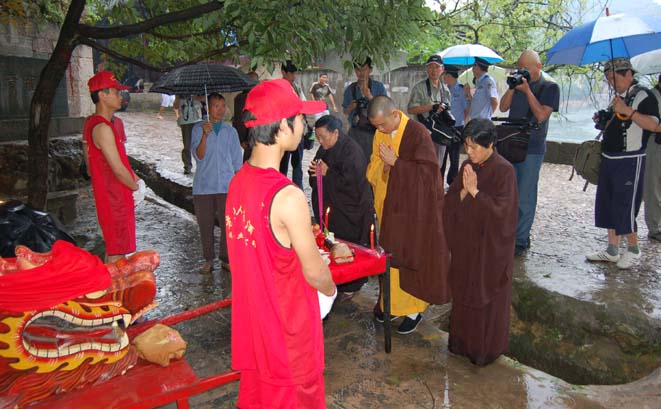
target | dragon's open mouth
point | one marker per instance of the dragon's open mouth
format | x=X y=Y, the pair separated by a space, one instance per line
x=55 y=334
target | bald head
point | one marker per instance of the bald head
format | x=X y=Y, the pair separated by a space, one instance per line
x=383 y=114
x=381 y=105
x=530 y=60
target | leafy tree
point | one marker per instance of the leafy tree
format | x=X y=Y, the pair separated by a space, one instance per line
x=507 y=26
x=187 y=31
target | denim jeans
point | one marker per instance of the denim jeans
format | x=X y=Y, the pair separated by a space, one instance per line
x=527 y=176
x=296 y=164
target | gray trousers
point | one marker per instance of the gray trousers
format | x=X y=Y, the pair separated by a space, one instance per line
x=186 y=131
x=652 y=187
x=208 y=210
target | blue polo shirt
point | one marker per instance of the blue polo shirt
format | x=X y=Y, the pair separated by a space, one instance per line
x=459 y=103
x=223 y=158
x=485 y=89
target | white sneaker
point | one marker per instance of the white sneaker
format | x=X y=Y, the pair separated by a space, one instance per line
x=627 y=260
x=603 y=256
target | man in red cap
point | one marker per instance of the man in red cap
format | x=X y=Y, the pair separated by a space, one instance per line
x=281 y=287
x=113 y=180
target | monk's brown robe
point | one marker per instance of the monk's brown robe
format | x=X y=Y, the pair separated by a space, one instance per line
x=481 y=233
x=412 y=223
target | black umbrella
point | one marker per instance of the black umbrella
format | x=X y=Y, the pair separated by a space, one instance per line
x=200 y=79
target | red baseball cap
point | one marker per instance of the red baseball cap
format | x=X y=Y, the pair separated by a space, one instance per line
x=271 y=101
x=103 y=80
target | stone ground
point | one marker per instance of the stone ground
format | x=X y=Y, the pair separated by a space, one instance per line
x=420 y=373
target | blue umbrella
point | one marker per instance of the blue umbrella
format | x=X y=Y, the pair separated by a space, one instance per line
x=605 y=38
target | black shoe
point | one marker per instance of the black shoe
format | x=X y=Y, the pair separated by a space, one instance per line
x=408 y=325
x=379 y=316
x=519 y=250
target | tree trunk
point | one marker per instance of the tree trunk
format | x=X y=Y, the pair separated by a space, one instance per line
x=40 y=107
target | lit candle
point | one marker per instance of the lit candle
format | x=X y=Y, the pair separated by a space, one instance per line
x=326 y=219
x=372 y=236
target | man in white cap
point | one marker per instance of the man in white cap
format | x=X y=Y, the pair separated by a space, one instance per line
x=281 y=287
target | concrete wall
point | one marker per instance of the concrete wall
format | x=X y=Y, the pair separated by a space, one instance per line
x=35 y=42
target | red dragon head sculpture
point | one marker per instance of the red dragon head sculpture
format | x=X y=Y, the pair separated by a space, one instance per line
x=63 y=316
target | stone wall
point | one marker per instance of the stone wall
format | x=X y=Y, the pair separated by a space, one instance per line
x=29 y=45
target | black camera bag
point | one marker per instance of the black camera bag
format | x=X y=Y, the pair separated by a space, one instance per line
x=512 y=141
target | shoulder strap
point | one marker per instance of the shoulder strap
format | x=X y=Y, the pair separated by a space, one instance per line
x=428 y=87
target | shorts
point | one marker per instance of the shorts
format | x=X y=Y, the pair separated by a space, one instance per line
x=167 y=100
x=619 y=191
x=254 y=393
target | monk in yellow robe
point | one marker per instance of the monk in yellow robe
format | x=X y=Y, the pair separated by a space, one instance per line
x=408 y=199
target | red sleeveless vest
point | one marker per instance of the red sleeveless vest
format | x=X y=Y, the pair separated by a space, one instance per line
x=114 y=201
x=276 y=324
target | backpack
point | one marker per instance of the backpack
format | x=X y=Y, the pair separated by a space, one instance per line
x=587 y=161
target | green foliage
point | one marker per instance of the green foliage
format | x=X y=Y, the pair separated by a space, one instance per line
x=266 y=31
x=16 y=11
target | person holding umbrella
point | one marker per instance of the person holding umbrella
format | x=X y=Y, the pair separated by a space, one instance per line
x=634 y=116
x=217 y=153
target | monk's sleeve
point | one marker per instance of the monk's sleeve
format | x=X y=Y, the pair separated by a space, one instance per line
x=375 y=167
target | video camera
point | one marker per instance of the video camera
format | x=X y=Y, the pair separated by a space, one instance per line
x=516 y=78
x=601 y=118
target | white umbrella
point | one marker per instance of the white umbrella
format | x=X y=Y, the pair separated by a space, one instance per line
x=464 y=54
x=647 y=63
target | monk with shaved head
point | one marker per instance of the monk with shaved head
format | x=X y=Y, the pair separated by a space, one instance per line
x=408 y=199
x=533 y=101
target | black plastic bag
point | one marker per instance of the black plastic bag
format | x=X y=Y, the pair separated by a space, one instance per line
x=20 y=224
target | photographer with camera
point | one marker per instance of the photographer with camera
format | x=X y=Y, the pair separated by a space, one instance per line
x=529 y=97
x=431 y=97
x=485 y=99
x=633 y=118
x=356 y=98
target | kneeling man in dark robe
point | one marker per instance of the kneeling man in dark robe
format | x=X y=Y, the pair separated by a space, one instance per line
x=480 y=216
x=345 y=188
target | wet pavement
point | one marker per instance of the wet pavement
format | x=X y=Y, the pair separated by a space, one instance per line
x=420 y=373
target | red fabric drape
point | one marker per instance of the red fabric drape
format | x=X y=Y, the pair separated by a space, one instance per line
x=70 y=273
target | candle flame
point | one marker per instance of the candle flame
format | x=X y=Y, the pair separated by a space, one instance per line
x=327 y=210
x=372 y=227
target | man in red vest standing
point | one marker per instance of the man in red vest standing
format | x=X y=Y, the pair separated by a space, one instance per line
x=113 y=179
x=281 y=287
